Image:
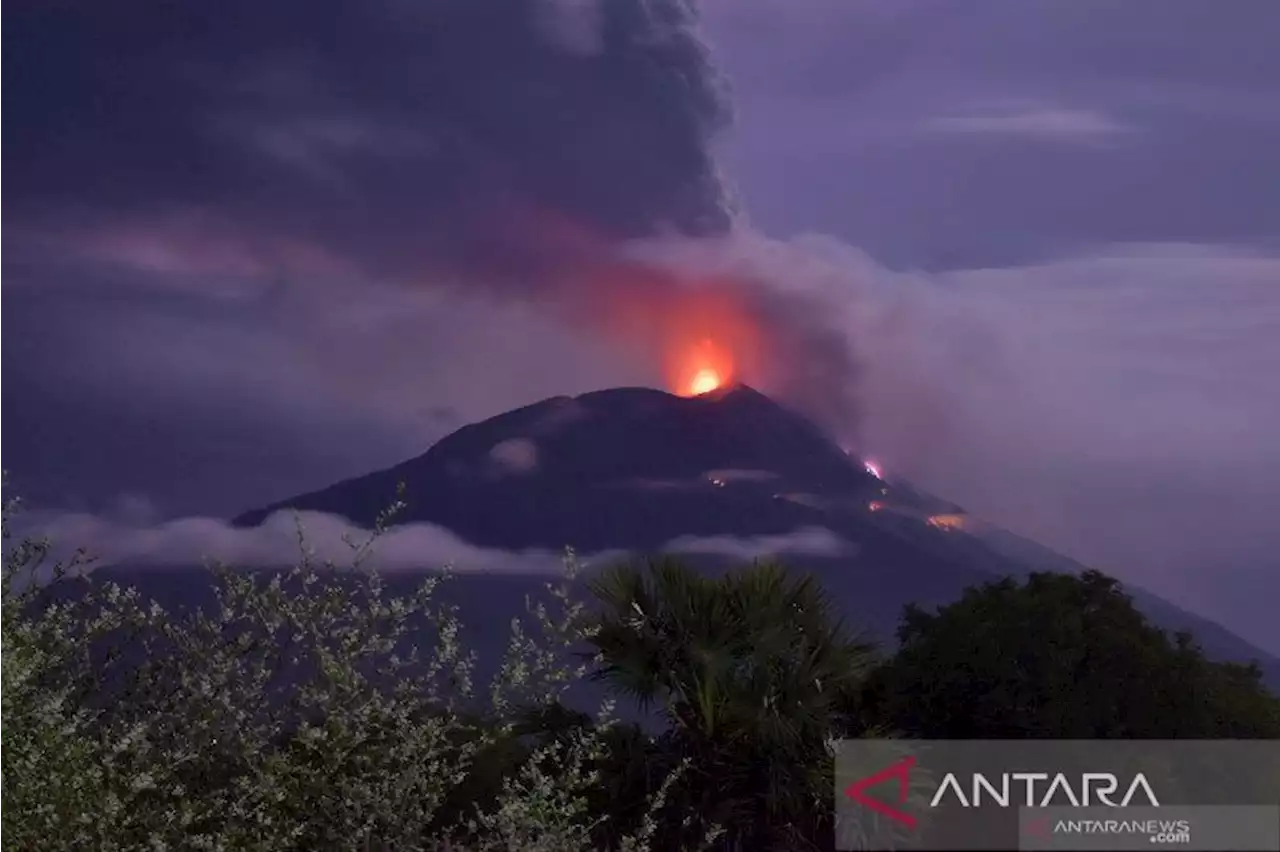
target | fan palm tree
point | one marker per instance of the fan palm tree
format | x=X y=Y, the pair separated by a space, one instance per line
x=754 y=674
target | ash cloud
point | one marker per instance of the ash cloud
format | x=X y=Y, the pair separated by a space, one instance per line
x=279 y=167
x=225 y=217
x=402 y=136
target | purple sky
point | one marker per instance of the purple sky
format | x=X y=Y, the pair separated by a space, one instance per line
x=251 y=249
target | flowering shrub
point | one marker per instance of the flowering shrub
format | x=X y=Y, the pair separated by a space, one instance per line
x=307 y=709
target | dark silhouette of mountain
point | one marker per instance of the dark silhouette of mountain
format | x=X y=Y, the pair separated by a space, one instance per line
x=636 y=469
x=631 y=468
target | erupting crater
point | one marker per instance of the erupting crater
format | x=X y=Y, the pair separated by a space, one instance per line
x=701 y=369
x=704 y=381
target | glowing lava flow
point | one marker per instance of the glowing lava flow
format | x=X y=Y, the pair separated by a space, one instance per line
x=873 y=469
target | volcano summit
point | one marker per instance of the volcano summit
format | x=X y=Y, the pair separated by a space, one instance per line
x=626 y=468
x=643 y=471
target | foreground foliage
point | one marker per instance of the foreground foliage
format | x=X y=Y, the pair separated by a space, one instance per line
x=309 y=710
x=753 y=673
x=313 y=710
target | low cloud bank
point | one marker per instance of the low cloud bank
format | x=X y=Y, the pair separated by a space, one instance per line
x=808 y=541
x=329 y=538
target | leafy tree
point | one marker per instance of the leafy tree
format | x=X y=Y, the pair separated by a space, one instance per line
x=306 y=710
x=753 y=673
x=1060 y=656
x=52 y=782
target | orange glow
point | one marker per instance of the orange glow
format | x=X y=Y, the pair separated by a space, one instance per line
x=700 y=369
x=708 y=340
x=947 y=522
x=689 y=328
x=875 y=506
x=704 y=381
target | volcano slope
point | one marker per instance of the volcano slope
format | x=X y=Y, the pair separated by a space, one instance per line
x=722 y=474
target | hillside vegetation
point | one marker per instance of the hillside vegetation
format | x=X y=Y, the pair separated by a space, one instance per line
x=315 y=711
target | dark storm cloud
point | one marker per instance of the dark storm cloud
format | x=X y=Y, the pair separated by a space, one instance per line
x=224 y=183
x=386 y=131
x=204 y=199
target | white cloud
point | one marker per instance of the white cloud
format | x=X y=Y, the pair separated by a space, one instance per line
x=194 y=540
x=1045 y=123
x=809 y=541
x=408 y=547
x=515 y=456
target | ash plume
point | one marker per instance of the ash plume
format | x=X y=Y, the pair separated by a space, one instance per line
x=508 y=150
x=399 y=135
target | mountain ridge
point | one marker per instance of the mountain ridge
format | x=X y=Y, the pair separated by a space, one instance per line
x=633 y=469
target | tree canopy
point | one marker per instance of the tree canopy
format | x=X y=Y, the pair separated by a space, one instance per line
x=753 y=672
x=1061 y=656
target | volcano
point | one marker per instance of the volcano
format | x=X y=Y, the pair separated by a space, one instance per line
x=643 y=471
x=627 y=468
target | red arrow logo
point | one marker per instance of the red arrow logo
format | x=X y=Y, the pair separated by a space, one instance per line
x=901 y=771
